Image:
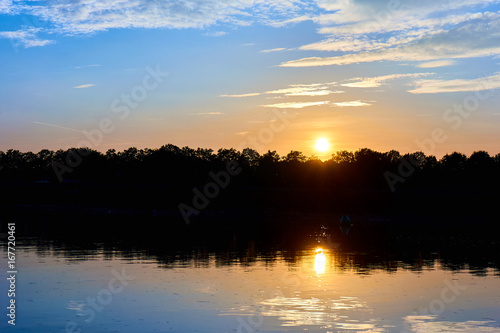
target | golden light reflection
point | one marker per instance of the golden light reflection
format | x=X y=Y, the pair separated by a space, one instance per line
x=297 y=311
x=319 y=261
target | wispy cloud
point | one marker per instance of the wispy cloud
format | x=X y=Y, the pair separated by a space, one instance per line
x=273 y=50
x=86 y=66
x=313 y=89
x=240 y=96
x=351 y=103
x=373 y=82
x=298 y=19
x=295 y=105
x=437 y=63
x=215 y=33
x=315 y=85
x=26 y=37
x=210 y=114
x=83 y=86
x=458 y=85
x=301 y=91
x=5 y=6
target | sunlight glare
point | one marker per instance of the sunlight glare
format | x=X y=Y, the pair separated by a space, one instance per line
x=322 y=145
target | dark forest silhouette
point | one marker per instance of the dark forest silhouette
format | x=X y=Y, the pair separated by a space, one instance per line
x=171 y=165
x=158 y=180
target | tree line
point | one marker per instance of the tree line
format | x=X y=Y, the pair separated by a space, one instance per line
x=174 y=166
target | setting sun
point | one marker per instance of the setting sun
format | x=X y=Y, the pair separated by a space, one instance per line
x=322 y=145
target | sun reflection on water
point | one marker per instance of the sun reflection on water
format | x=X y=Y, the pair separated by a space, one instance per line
x=320 y=261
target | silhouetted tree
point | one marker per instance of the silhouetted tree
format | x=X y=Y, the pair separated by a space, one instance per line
x=250 y=157
x=227 y=155
x=295 y=156
x=343 y=156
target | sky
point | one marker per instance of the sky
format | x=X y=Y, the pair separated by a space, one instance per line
x=270 y=75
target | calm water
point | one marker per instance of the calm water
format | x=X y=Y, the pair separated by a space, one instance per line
x=315 y=290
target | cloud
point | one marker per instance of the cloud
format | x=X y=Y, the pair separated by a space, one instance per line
x=242 y=95
x=437 y=63
x=383 y=15
x=84 y=17
x=373 y=82
x=312 y=84
x=354 y=44
x=313 y=89
x=313 y=93
x=273 y=50
x=451 y=37
x=215 y=34
x=70 y=17
x=363 y=84
x=295 y=105
x=5 y=6
x=83 y=86
x=85 y=66
x=406 y=24
x=298 y=19
x=375 y=30
x=458 y=85
x=301 y=91
x=26 y=38
x=351 y=103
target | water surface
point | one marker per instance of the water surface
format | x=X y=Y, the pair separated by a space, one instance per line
x=101 y=289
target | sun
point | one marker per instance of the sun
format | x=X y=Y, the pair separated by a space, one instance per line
x=322 y=145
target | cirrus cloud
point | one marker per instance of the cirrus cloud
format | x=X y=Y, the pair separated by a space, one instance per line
x=351 y=104
x=437 y=63
x=295 y=105
x=240 y=96
x=374 y=82
x=25 y=37
x=273 y=50
x=83 y=86
x=458 y=85
x=454 y=37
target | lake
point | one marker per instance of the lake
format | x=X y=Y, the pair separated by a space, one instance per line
x=318 y=288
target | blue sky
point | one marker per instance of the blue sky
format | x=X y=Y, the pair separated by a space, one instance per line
x=378 y=74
